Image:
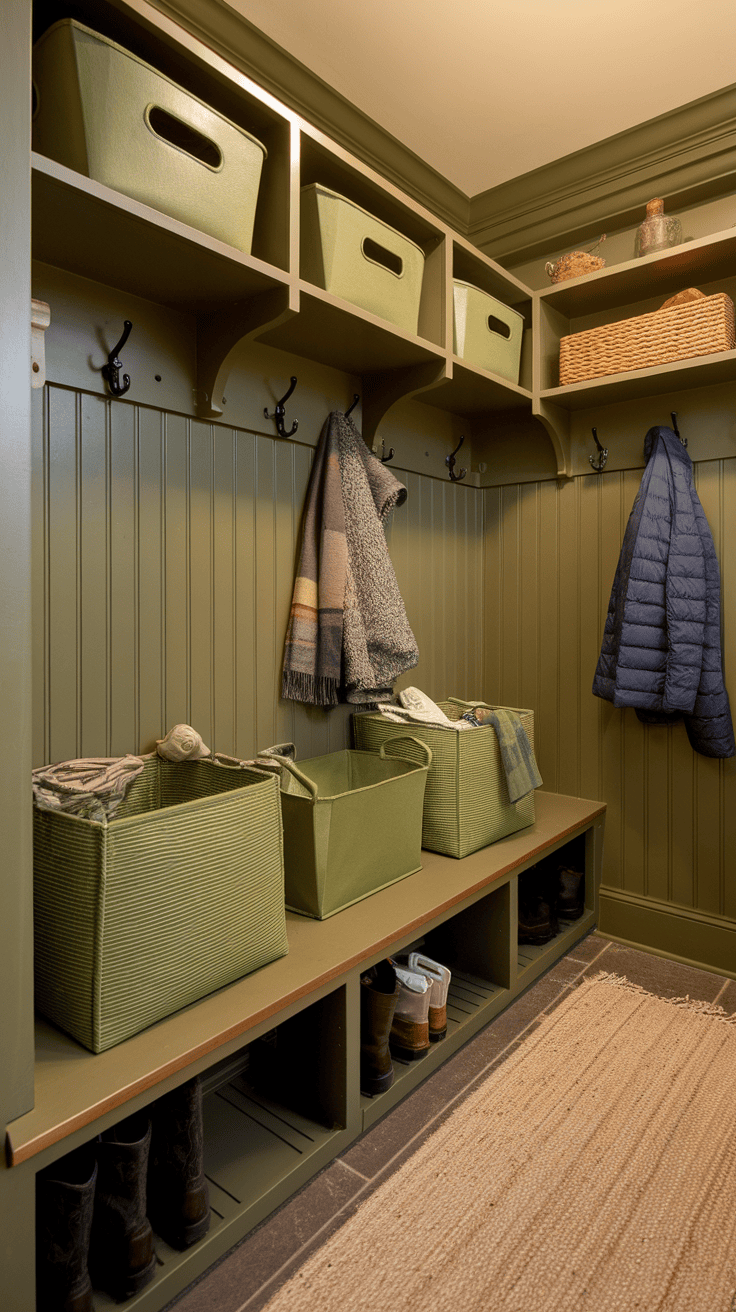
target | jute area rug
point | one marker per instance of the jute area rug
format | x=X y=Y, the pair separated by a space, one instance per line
x=594 y=1171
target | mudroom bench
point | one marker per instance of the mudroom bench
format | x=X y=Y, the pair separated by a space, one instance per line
x=279 y=1049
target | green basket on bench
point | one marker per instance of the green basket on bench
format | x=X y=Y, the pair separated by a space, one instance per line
x=352 y=825
x=179 y=894
x=466 y=801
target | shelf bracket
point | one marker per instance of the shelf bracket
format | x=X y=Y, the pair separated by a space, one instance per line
x=384 y=388
x=557 y=423
x=220 y=336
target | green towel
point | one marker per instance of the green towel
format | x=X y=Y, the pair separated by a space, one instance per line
x=517 y=755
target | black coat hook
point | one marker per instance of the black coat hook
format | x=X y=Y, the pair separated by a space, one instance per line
x=354 y=402
x=111 y=370
x=602 y=453
x=279 y=413
x=384 y=459
x=675 y=429
x=450 y=462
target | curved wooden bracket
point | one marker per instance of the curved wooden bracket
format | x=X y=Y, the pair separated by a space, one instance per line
x=557 y=423
x=383 y=389
x=219 y=337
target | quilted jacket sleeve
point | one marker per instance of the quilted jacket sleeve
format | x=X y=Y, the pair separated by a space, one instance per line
x=685 y=592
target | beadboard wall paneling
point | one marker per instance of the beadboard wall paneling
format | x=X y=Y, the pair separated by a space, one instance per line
x=164 y=555
x=551 y=551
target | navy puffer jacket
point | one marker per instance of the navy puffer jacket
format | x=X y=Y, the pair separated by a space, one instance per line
x=661 y=650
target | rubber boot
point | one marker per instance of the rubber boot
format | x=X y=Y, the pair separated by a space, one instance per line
x=409 y=1037
x=178 y=1196
x=121 y=1256
x=570 y=892
x=439 y=977
x=379 y=992
x=64 y=1201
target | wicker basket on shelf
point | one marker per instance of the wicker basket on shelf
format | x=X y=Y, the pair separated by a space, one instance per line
x=700 y=325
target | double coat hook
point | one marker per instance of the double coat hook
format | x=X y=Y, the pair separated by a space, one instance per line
x=598 y=463
x=280 y=412
x=450 y=462
x=111 y=370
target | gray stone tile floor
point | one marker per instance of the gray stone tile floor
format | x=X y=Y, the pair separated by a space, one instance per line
x=248 y=1276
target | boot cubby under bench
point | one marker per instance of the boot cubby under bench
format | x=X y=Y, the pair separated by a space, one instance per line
x=279 y=1050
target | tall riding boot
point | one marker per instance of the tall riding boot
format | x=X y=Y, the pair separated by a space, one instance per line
x=379 y=991
x=64 y=1201
x=121 y=1256
x=178 y=1197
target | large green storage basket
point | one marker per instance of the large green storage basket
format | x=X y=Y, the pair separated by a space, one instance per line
x=179 y=894
x=106 y=114
x=352 y=825
x=466 y=801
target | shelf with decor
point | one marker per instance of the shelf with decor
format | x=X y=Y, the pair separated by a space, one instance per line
x=620 y=296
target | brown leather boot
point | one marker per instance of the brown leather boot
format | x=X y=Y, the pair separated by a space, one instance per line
x=379 y=992
x=121 y=1255
x=570 y=892
x=64 y=1201
x=409 y=1038
x=178 y=1196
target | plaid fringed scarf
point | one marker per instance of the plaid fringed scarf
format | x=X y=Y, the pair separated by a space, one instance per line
x=348 y=637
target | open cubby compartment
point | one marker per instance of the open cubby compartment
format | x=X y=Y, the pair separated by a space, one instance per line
x=626 y=292
x=331 y=167
x=475 y=945
x=471 y=267
x=197 y=70
x=272 y=1118
x=578 y=854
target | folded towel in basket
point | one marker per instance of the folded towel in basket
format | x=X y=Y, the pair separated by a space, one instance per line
x=517 y=755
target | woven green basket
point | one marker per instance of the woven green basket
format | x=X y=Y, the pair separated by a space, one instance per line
x=181 y=893
x=352 y=825
x=466 y=801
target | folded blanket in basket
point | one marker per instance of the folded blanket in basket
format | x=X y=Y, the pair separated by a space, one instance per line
x=415 y=707
x=348 y=636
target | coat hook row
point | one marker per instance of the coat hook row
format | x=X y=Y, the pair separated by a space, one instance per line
x=450 y=462
x=280 y=412
x=599 y=463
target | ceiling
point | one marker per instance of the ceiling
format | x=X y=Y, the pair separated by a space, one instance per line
x=485 y=90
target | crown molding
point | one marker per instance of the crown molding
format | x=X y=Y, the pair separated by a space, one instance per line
x=236 y=40
x=685 y=155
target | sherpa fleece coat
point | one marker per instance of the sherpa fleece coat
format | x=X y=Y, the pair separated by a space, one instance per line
x=661 y=650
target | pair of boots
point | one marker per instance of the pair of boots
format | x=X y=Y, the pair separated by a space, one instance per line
x=403 y=1009
x=548 y=892
x=94 y=1207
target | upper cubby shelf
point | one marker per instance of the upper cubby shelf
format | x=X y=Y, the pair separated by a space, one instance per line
x=269 y=292
x=704 y=260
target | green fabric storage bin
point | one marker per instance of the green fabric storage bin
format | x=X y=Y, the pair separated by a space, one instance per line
x=179 y=894
x=352 y=825
x=466 y=801
x=358 y=257
x=106 y=114
x=487 y=333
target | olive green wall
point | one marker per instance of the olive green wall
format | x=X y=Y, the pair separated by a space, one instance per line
x=670 y=845
x=164 y=553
